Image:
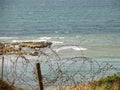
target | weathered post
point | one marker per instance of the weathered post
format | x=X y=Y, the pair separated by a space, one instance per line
x=39 y=76
x=2 y=68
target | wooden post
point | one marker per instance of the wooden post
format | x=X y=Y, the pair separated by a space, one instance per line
x=2 y=68
x=39 y=76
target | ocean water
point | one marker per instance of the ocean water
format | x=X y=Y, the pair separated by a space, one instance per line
x=36 y=18
x=92 y=26
x=76 y=28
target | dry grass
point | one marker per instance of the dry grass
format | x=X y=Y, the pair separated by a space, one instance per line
x=5 y=86
x=107 y=83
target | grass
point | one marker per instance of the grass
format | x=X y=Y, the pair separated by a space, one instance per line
x=5 y=86
x=107 y=83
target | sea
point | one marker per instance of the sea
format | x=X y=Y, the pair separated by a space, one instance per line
x=90 y=26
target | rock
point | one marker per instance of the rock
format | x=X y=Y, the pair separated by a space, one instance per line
x=34 y=53
x=1 y=48
x=17 y=47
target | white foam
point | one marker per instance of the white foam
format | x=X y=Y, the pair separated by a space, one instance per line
x=8 y=37
x=45 y=38
x=58 y=37
x=15 y=40
x=56 y=42
x=48 y=38
x=29 y=40
x=61 y=37
x=71 y=47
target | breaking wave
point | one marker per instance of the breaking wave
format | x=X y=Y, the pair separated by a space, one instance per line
x=70 y=47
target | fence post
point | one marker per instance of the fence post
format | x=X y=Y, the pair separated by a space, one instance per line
x=39 y=76
x=2 y=68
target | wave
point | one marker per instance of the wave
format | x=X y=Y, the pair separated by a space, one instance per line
x=56 y=42
x=48 y=38
x=8 y=38
x=53 y=40
x=70 y=47
x=29 y=40
x=45 y=38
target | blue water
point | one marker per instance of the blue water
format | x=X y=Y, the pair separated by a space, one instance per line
x=19 y=18
x=90 y=24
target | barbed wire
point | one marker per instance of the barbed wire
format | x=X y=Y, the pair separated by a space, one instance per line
x=20 y=70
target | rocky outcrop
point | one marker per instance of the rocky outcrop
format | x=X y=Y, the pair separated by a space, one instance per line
x=17 y=47
x=2 y=46
x=35 y=44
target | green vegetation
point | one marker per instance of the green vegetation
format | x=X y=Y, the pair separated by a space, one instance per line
x=106 y=83
x=109 y=80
